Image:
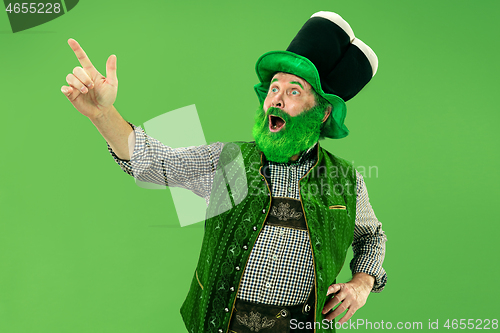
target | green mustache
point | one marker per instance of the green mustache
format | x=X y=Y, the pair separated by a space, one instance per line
x=279 y=113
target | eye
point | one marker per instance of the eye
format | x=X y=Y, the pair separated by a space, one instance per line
x=274 y=90
x=295 y=92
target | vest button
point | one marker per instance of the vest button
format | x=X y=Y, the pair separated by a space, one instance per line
x=220 y=330
x=254 y=228
x=245 y=247
x=237 y=268
x=226 y=309
x=264 y=211
x=232 y=288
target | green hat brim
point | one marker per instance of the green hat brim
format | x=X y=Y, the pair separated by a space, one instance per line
x=284 y=61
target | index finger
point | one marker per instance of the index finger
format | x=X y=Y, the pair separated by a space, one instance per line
x=333 y=289
x=82 y=57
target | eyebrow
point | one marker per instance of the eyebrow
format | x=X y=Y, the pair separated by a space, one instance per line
x=295 y=82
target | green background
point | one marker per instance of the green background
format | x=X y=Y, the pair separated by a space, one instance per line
x=83 y=249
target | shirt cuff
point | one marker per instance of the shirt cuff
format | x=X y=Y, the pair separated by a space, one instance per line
x=379 y=274
x=137 y=140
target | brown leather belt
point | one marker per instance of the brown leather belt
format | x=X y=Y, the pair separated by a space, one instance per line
x=249 y=317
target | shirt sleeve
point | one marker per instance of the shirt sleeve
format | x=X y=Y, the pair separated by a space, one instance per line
x=369 y=239
x=192 y=168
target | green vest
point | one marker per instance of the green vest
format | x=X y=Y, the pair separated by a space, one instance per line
x=238 y=207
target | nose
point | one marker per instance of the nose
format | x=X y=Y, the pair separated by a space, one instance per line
x=277 y=100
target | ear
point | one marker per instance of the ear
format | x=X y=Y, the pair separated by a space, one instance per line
x=327 y=113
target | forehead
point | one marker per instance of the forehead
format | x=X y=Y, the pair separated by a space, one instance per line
x=287 y=77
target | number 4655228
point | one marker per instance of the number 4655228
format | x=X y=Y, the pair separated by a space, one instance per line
x=471 y=324
x=43 y=8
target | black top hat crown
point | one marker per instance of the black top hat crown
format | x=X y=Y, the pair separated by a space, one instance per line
x=345 y=64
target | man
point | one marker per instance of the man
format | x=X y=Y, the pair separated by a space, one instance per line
x=282 y=211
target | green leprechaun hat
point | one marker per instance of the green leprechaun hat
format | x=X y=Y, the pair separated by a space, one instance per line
x=326 y=54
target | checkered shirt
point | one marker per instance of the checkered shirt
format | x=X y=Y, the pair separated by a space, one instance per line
x=280 y=267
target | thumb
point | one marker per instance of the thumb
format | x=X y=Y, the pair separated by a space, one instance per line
x=111 y=70
x=333 y=289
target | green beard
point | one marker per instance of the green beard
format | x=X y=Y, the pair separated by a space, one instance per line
x=300 y=132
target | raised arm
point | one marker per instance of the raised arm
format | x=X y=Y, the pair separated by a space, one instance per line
x=93 y=95
x=192 y=168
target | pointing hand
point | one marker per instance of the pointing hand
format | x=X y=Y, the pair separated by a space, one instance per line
x=89 y=91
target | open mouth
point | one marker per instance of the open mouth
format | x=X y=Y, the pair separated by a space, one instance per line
x=275 y=123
